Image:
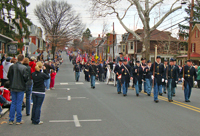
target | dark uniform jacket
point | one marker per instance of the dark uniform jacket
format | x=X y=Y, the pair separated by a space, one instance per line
x=118 y=69
x=101 y=68
x=76 y=68
x=159 y=72
x=86 y=70
x=147 y=72
x=93 y=70
x=126 y=74
x=137 y=74
x=189 y=73
x=172 y=74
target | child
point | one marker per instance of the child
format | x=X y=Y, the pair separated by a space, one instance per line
x=53 y=76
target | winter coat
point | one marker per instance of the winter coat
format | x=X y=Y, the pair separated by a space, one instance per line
x=6 y=66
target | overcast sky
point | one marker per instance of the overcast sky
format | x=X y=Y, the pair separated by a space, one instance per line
x=82 y=7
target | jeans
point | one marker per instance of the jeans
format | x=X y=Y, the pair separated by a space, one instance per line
x=92 y=81
x=187 y=92
x=170 y=89
x=137 y=88
x=77 y=75
x=28 y=99
x=37 y=104
x=148 y=85
x=87 y=76
x=47 y=83
x=125 y=87
x=2 y=100
x=118 y=86
x=140 y=87
x=16 y=105
x=156 y=90
x=174 y=91
x=145 y=86
x=164 y=88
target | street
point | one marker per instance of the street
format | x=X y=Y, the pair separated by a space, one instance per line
x=74 y=109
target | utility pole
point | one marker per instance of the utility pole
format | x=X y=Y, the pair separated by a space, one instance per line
x=113 y=41
x=190 y=32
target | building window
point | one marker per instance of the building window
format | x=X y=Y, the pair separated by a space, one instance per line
x=197 y=34
x=193 y=49
x=131 y=47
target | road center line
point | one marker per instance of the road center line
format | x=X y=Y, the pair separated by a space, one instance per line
x=63 y=83
x=76 y=121
x=69 y=98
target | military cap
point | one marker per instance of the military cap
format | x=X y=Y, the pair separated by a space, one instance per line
x=165 y=60
x=189 y=60
x=120 y=60
x=148 y=61
x=120 y=53
x=137 y=61
x=158 y=57
x=171 y=59
x=143 y=59
x=113 y=59
x=125 y=60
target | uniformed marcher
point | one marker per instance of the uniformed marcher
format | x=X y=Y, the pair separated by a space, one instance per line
x=77 y=71
x=126 y=75
x=143 y=65
x=177 y=70
x=118 y=72
x=148 y=78
x=158 y=79
x=171 y=79
x=164 y=84
x=137 y=77
x=93 y=73
x=101 y=72
x=86 y=71
x=189 y=73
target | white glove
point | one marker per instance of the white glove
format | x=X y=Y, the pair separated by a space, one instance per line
x=195 y=83
x=152 y=77
x=163 y=80
x=182 y=79
x=176 y=82
x=166 y=81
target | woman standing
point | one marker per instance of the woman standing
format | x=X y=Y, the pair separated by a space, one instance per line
x=38 y=92
x=28 y=87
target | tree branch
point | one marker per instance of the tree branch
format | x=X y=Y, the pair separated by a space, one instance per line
x=154 y=5
x=164 y=17
x=126 y=11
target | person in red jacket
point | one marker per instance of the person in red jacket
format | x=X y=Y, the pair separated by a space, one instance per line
x=53 y=76
x=32 y=64
x=1 y=71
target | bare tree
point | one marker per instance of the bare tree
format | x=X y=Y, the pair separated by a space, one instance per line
x=102 y=8
x=60 y=22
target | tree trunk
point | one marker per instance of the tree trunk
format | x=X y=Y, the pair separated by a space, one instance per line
x=146 y=45
x=53 y=51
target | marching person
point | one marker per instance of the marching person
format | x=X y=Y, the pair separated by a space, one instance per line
x=77 y=71
x=188 y=72
x=120 y=57
x=165 y=69
x=38 y=92
x=118 y=73
x=171 y=79
x=148 y=78
x=101 y=72
x=86 y=71
x=137 y=77
x=131 y=63
x=177 y=70
x=143 y=65
x=93 y=73
x=158 y=77
x=126 y=75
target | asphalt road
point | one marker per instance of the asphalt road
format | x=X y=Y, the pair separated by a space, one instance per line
x=77 y=110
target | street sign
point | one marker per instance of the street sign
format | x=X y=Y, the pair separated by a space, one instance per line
x=12 y=48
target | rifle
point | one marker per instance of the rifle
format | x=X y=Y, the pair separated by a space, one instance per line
x=183 y=61
x=154 y=66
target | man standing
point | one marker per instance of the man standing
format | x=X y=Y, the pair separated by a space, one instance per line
x=148 y=78
x=101 y=72
x=143 y=65
x=158 y=79
x=164 y=75
x=77 y=71
x=93 y=73
x=120 y=57
x=6 y=65
x=188 y=73
x=86 y=70
x=138 y=76
x=48 y=68
x=126 y=74
x=171 y=79
x=118 y=73
x=18 y=77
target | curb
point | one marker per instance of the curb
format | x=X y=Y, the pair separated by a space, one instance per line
x=4 y=111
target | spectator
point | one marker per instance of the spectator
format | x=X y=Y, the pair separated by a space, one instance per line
x=53 y=76
x=32 y=64
x=13 y=60
x=198 y=77
x=6 y=65
x=28 y=87
x=38 y=92
x=1 y=71
x=48 y=68
x=18 y=77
